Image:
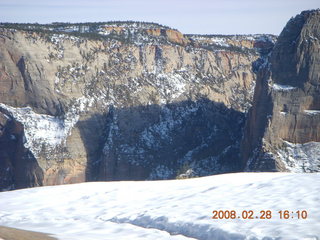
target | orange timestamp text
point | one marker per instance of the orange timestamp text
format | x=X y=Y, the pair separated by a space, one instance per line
x=263 y=214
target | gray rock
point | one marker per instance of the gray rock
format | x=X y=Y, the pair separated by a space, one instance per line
x=283 y=131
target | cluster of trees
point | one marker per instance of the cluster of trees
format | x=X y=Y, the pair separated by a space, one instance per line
x=91 y=25
x=91 y=31
x=231 y=48
x=49 y=29
x=213 y=46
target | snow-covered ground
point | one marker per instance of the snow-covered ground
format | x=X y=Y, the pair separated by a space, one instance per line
x=177 y=209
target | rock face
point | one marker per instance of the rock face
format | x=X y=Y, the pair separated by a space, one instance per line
x=126 y=101
x=283 y=128
x=18 y=165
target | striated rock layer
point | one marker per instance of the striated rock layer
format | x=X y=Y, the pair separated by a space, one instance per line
x=137 y=103
x=283 y=128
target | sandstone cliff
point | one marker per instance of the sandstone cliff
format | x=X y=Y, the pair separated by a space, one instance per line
x=283 y=128
x=136 y=103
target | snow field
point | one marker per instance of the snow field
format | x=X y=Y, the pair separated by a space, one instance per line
x=176 y=209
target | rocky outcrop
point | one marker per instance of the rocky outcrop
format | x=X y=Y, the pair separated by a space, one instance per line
x=124 y=105
x=19 y=168
x=168 y=34
x=283 y=130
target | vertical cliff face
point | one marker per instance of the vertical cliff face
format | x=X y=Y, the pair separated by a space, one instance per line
x=283 y=130
x=19 y=168
x=138 y=103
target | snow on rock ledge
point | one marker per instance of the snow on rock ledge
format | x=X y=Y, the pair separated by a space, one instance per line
x=279 y=87
x=301 y=157
x=312 y=112
x=42 y=129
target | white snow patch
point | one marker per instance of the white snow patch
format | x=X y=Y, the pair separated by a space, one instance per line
x=220 y=41
x=56 y=80
x=45 y=130
x=301 y=157
x=177 y=209
x=279 y=87
x=313 y=38
x=312 y=112
x=41 y=128
x=170 y=86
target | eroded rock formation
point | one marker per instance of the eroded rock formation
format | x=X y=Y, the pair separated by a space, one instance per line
x=283 y=128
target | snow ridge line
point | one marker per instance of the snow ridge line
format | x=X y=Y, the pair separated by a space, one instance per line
x=186 y=229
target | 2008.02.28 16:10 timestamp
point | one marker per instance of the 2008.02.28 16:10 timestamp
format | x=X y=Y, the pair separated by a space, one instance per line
x=263 y=214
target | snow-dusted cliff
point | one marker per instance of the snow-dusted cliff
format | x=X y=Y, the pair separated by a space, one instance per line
x=124 y=101
x=283 y=127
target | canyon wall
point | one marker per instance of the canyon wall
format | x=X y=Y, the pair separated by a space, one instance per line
x=137 y=103
x=283 y=128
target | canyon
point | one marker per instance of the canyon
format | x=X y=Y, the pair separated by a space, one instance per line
x=142 y=101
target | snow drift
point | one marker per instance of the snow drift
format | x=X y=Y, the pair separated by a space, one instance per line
x=176 y=209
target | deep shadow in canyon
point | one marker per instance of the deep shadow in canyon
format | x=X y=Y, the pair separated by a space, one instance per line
x=162 y=141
